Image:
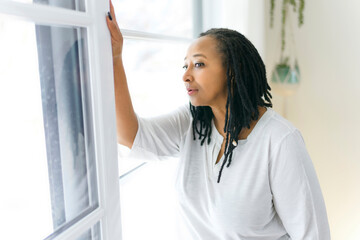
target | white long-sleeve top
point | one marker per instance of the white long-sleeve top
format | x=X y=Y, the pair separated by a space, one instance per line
x=269 y=192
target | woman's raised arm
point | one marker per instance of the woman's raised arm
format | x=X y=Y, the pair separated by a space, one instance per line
x=126 y=120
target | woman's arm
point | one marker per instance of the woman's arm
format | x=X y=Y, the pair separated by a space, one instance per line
x=296 y=191
x=126 y=120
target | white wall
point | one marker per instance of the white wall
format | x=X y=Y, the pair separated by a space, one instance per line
x=325 y=108
x=244 y=16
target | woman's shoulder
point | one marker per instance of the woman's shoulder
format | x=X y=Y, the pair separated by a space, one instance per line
x=180 y=117
x=277 y=127
x=182 y=112
x=179 y=113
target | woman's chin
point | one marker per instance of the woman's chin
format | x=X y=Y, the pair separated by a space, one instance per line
x=197 y=103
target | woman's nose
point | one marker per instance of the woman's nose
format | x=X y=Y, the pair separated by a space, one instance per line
x=187 y=77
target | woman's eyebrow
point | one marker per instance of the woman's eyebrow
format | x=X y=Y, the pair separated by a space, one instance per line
x=197 y=55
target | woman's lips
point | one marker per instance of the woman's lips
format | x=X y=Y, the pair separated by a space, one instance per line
x=192 y=91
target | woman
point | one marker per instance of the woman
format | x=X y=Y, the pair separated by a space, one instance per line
x=269 y=189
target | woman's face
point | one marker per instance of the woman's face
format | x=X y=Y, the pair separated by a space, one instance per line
x=205 y=76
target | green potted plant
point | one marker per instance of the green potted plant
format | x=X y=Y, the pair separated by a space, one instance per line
x=284 y=73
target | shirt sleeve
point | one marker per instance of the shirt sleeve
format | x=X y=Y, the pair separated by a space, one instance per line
x=296 y=190
x=160 y=136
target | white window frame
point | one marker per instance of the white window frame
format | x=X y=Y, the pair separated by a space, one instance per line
x=102 y=101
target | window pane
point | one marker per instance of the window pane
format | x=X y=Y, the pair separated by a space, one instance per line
x=154 y=73
x=148 y=202
x=47 y=167
x=78 y=5
x=92 y=234
x=170 y=17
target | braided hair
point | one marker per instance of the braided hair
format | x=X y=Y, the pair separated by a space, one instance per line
x=247 y=89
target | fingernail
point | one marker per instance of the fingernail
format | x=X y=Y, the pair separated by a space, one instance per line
x=109 y=15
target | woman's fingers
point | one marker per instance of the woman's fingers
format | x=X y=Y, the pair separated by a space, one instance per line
x=114 y=29
x=112 y=11
x=109 y=16
x=116 y=36
x=112 y=23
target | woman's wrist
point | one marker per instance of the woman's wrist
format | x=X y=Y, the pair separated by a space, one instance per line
x=117 y=52
x=117 y=58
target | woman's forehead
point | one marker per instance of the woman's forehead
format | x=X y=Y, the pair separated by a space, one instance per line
x=204 y=45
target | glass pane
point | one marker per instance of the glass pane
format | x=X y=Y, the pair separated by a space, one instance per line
x=152 y=66
x=47 y=167
x=154 y=73
x=170 y=17
x=92 y=234
x=148 y=202
x=78 y=5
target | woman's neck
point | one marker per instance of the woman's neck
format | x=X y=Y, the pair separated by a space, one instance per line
x=219 y=121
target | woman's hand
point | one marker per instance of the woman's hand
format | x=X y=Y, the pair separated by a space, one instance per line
x=116 y=36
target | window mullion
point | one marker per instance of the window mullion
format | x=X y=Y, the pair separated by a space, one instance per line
x=81 y=226
x=131 y=34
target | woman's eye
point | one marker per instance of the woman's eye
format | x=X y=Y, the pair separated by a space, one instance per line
x=199 y=64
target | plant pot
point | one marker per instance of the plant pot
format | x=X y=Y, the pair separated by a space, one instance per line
x=281 y=74
x=285 y=80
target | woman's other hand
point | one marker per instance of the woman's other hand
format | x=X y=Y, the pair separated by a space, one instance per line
x=116 y=36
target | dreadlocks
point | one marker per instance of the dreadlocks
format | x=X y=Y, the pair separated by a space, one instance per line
x=247 y=89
